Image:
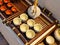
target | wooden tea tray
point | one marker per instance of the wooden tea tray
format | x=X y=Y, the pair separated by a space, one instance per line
x=20 y=6
x=4 y=16
x=47 y=24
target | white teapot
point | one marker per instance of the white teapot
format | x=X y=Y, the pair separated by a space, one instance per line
x=34 y=11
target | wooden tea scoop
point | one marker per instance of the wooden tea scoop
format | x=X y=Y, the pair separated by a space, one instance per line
x=35 y=5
